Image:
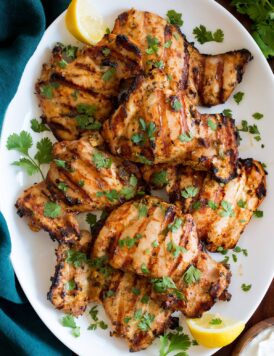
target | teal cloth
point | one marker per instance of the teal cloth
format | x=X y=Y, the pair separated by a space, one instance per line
x=22 y=23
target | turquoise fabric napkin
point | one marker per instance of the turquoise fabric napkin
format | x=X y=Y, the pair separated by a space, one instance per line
x=22 y=23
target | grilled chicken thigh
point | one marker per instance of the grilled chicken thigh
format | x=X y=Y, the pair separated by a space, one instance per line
x=78 y=87
x=87 y=178
x=157 y=124
x=45 y=213
x=221 y=212
x=70 y=289
x=133 y=313
x=207 y=79
x=148 y=237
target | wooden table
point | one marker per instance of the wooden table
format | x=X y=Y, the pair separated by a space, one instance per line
x=266 y=308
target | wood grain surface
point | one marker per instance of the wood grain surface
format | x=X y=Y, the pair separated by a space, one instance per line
x=266 y=307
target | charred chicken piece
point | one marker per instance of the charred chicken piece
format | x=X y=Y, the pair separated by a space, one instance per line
x=70 y=289
x=208 y=79
x=45 y=213
x=157 y=124
x=221 y=212
x=87 y=178
x=148 y=237
x=135 y=316
x=78 y=87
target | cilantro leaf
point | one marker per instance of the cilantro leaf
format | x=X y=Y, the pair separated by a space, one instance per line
x=215 y=321
x=174 y=18
x=76 y=258
x=227 y=112
x=176 y=104
x=159 y=178
x=189 y=192
x=68 y=321
x=192 y=275
x=142 y=210
x=175 y=225
x=101 y=160
x=46 y=90
x=44 y=151
x=227 y=210
x=91 y=219
x=258 y=116
x=153 y=43
x=26 y=164
x=107 y=76
x=258 y=213
x=238 y=97
x=185 y=137
x=37 y=126
x=70 y=285
x=52 y=210
x=21 y=143
x=246 y=287
x=212 y=124
x=202 y=35
x=212 y=205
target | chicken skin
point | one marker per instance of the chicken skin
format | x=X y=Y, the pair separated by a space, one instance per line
x=157 y=124
x=207 y=79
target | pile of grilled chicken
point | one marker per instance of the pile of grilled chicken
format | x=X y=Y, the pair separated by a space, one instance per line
x=124 y=113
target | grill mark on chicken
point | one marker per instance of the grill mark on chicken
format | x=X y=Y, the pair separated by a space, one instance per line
x=249 y=186
x=172 y=113
x=189 y=71
x=124 y=224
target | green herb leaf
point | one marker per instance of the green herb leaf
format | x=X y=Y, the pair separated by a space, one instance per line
x=47 y=90
x=109 y=74
x=106 y=51
x=63 y=63
x=226 y=209
x=37 y=126
x=258 y=213
x=192 y=275
x=246 y=287
x=175 y=225
x=176 y=105
x=241 y=204
x=238 y=97
x=76 y=331
x=111 y=195
x=215 y=321
x=161 y=285
x=212 y=124
x=153 y=43
x=168 y=44
x=212 y=205
x=144 y=269
x=202 y=35
x=189 y=192
x=21 y=143
x=258 y=116
x=138 y=139
x=159 y=178
x=27 y=165
x=101 y=160
x=145 y=299
x=142 y=210
x=227 y=112
x=44 y=151
x=68 y=321
x=94 y=313
x=146 y=321
x=174 y=18
x=159 y=64
x=76 y=258
x=185 y=137
x=70 y=285
x=62 y=186
x=52 y=210
x=91 y=219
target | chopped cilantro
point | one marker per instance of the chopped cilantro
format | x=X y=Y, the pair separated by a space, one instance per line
x=212 y=124
x=109 y=74
x=101 y=160
x=202 y=35
x=246 y=287
x=189 y=192
x=159 y=178
x=52 y=210
x=174 y=18
x=192 y=275
x=238 y=97
x=258 y=116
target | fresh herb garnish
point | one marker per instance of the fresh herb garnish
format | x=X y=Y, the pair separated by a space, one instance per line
x=146 y=321
x=241 y=203
x=174 y=18
x=159 y=178
x=22 y=143
x=112 y=195
x=70 y=285
x=175 y=225
x=159 y=64
x=174 y=342
x=258 y=213
x=91 y=219
x=212 y=124
x=145 y=299
x=202 y=35
x=257 y=116
x=212 y=205
x=238 y=97
x=144 y=160
x=69 y=322
x=101 y=160
x=107 y=76
x=196 y=205
x=227 y=112
x=189 y=192
x=168 y=44
x=106 y=51
x=142 y=210
x=246 y=287
x=62 y=186
x=215 y=321
x=76 y=258
x=47 y=90
x=52 y=210
x=185 y=137
x=153 y=45
x=144 y=269
x=86 y=117
x=37 y=126
x=226 y=209
x=192 y=275
x=63 y=63
x=135 y=291
x=176 y=105
x=94 y=315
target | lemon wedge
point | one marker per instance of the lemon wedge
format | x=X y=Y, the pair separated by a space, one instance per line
x=84 y=22
x=213 y=331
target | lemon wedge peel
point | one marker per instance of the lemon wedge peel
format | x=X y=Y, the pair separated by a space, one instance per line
x=84 y=22
x=214 y=336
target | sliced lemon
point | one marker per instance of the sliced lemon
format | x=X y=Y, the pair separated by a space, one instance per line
x=213 y=331
x=84 y=22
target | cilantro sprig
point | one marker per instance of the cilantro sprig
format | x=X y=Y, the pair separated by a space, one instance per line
x=69 y=322
x=261 y=13
x=22 y=143
x=174 y=18
x=202 y=35
x=178 y=341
